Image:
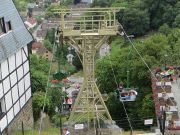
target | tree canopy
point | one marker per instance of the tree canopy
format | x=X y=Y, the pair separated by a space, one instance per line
x=153 y=50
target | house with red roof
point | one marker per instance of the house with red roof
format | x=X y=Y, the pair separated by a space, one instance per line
x=30 y=22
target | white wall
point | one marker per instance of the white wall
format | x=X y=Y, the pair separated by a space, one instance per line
x=15 y=95
x=10 y=115
x=24 y=53
x=6 y=84
x=27 y=81
x=1 y=90
x=18 y=58
x=20 y=72
x=28 y=94
x=26 y=67
x=21 y=87
x=16 y=107
x=8 y=100
x=22 y=101
x=13 y=78
x=3 y=123
x=15 y=86
x=4 y=69
x=12 y=63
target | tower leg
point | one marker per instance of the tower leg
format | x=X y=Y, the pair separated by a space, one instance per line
x=89 y=104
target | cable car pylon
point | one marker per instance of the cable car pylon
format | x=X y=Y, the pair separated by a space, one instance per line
x=86 y=30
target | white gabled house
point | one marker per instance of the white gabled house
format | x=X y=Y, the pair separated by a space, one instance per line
x=15 y=85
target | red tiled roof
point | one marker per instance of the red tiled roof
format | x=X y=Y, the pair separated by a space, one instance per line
x=31 y=20
x=36 y=45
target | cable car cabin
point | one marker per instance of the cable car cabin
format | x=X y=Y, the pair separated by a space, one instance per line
x=127 y=95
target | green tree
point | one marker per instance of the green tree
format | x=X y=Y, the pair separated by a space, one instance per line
x=164 y=29
x=100 y=3
x=20 y=5
x=173 y=37
x=147 y=109
x=49 y=12
x=38 y=103
x=152 y=51
x=134 y=21
x=48 y=45
x=176 y=22
x=57 y=98
x=50 y=35
x=39 y=68
x=39 y=19
x=67 y=2
x=160 y=11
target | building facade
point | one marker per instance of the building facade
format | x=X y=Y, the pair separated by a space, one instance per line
x=15 y=85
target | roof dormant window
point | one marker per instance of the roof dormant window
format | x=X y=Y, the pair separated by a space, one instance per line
x=2 y=26
x=8 y=26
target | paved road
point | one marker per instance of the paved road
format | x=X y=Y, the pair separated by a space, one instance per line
x=176 y=91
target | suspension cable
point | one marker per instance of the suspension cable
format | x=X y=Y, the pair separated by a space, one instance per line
x=44 y=102
x=145 y=63
x=148 y=67
x=125 y=110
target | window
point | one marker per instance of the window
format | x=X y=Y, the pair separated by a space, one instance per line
x=8 y=26
x=2 y=108
x=2 y=26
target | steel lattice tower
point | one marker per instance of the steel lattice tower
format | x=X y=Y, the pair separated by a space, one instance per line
x=86 y=30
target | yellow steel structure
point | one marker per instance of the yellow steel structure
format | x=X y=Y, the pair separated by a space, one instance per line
x=86 y=29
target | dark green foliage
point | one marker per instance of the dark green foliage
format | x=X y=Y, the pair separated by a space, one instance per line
x=141 y=16
x=49 y=13
x=57 y=98
x=77 y=63
x=59 y=76
x=50 y=35
x=164 y=29
x=39 y=68
x=39 y=19
x=134 y=21
x=47 y=44
x=160 y=12
x=67 y=2
x=153 y=51
x=148 y=107
x=38 y=103
x=176 y=22
x=100 y=3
